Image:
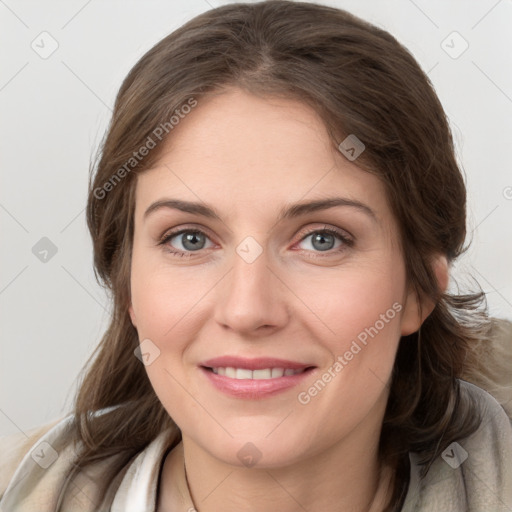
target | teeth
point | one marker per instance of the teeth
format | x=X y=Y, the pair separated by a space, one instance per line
x=266 y=373
x=277 y=372
x=262 y=374
x=242 y=373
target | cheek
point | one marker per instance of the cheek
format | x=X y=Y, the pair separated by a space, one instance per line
x=355 y=298
x=359 y=313
x=162 y=296
x=163 y=302
x=360 y=327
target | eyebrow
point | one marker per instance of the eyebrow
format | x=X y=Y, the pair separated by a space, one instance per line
x=287 y=212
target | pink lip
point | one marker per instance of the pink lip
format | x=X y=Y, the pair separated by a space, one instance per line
x=258 y=363
x=254 y=389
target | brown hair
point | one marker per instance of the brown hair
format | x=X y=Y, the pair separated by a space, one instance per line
x=361 y=81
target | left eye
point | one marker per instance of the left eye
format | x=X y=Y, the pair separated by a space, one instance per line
x=323 y=240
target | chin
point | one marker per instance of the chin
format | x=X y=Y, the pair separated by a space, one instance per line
x=254 y=450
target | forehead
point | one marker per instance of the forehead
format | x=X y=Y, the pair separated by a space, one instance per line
x=237 y=151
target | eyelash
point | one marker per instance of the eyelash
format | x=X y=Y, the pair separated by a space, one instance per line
x=347 y=242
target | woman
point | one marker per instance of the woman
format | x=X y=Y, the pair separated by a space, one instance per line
x=275 y=210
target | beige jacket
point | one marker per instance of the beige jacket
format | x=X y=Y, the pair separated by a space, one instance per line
x=474 y=474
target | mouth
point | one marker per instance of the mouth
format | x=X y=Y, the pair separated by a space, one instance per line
x=254 y=378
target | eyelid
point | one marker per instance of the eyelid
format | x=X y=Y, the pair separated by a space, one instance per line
x=343 y=233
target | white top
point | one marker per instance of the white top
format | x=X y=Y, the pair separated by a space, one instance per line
x=472 y=475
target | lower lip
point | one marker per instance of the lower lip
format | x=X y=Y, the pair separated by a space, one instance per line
x=255 y=388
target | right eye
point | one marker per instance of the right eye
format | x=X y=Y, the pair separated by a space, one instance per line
x=191 y=240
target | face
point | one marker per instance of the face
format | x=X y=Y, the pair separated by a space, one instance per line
x=263 y=327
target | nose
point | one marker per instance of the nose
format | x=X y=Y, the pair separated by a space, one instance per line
x=250 y=299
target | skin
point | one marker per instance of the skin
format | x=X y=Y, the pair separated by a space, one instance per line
x=248 y=157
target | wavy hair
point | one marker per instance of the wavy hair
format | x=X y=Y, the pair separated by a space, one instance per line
x=360 y=80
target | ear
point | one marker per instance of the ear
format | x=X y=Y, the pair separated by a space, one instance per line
x=412 y=317
x=132 y=315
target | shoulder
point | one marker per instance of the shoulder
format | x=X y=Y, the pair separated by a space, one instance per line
x=473 y=473
x=15 y=447
x=491 y=363
x=38 y=471
x=496 y=426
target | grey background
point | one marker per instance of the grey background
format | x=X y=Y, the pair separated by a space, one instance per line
x=54 y=110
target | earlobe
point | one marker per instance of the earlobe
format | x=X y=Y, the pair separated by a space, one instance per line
x=415 y=312
x=440 y=266
x=132 y=316
x=412 y=316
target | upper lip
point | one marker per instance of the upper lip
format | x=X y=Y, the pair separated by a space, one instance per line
x=258 y=363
